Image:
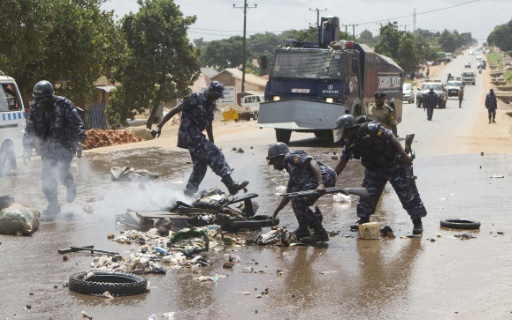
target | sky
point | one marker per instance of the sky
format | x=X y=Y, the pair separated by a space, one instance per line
x=219 y=19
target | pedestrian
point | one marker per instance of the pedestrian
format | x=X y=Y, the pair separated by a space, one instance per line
x=384 y=160
x=383 y=113
x=56 y=130
x=491 y=104
x=461 y=96
x=430 y=102
x=449 y=77
x=197 y=113
x=428 y=71
x=305 y=173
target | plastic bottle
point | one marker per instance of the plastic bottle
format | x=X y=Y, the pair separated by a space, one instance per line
x=161 y=251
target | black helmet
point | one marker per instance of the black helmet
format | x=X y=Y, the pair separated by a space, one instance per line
x=217 y=87
x=42 y=89
x=346 y=121
x=276 y=150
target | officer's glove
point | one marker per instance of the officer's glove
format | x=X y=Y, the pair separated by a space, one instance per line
x=79 y=149
x=156 y=132
x=27 y=153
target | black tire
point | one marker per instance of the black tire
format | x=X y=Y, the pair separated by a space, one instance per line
x=256 y=222
x=7 y=158
x=283 y=135
x=460 y=224
x=116 y=283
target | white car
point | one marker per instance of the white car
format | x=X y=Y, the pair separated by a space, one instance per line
x=408 y=93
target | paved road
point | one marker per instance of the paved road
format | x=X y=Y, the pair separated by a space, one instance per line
x=345 y=279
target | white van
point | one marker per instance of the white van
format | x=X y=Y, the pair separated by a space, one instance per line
x=252 y=103
x=12 y=123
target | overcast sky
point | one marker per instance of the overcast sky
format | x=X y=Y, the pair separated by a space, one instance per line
x=217 y=19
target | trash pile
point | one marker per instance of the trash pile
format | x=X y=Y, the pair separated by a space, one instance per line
x=18 y=219
x=96 y=138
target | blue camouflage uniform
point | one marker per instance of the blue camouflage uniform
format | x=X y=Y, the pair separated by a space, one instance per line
x=197 y=114
x=380 y=167
x=56 y=134
x=491 y=104
x=303 y=178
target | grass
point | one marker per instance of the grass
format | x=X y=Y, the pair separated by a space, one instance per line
x=508 y=76
x=495 y=58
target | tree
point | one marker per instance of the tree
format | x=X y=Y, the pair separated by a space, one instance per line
x=447 y=41
x=408 y=54
x=225 y=53
x=162 y=63
x=367 y=38
x=67 y=42
x=389 y=40
x=501 y=36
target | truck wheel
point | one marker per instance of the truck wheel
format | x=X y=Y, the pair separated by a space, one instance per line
x=283 y=135
x=255 y=116
x=7 y=158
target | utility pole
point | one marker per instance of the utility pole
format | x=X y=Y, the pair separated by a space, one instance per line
x=245 y=7
x=414 y=21
x=353 y=29
x=317 y=15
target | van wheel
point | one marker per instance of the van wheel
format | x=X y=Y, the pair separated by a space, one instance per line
x=7 y=158
x=255 y=116
x=283 y=135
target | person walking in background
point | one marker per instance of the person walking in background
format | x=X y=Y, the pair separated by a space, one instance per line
x=430 y=102
x=197 y=112
x=305 y=173
x=55 y=128
x=461 y=96
x=491 y=104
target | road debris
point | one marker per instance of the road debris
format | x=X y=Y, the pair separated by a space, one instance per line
x=96 y=138
x=465 y=236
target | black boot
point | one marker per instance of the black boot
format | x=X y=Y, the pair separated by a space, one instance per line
x=302 y=231
x=355 y=226
x=52 y=208
x=319 y=214
x=319 y=235
x=233 y=186
x=417 y=226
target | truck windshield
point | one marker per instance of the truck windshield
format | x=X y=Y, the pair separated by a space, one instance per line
x=307 y=64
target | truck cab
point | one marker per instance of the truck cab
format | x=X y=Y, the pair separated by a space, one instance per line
x=12 y=124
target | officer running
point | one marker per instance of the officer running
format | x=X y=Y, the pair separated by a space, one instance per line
x=430 y=102
x=383 y=113
x=55 y=128
x=384 y=160
x=197 y=112
x=491 y=104
x=305 y=173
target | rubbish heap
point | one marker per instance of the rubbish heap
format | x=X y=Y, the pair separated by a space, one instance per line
x=96 y=138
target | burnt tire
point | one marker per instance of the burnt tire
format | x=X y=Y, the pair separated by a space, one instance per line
x=460 y=224
x=116 y=283
x=256 y=222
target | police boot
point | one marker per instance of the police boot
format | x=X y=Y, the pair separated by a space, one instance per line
x=233 y=186
x=355 y=226
x=71 y=193
x=303 y=230
x=319 y=214
x=319 y=235
x=417 y=226
x=52 y=208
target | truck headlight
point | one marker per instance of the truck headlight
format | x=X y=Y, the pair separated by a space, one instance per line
x=329 y=100
x=277 y=98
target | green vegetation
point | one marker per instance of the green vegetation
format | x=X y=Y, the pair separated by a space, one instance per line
x=500 y=36
x=495 y=58
x=508 y=76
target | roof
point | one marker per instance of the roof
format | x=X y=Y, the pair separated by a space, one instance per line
x=252 y=78
x=106 y=88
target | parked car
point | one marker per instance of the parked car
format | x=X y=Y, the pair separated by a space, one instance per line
x=438 y=89
x=467 y=65
x=452 y=88
x=408 y=92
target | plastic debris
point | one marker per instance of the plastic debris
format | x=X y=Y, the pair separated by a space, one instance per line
x=19 y=220
x=131 y=174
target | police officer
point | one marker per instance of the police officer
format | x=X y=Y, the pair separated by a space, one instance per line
x=55 y=128
x=384 y=160
x=305 y=173
x=383 y=113
x=430 y=102
x=491 y=104
x=197 y=112
x=461 y=96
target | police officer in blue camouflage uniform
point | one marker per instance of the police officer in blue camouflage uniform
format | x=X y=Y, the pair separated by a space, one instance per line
x=306 y=173
x=55 y=128
x=384 y=160
x=197 y=112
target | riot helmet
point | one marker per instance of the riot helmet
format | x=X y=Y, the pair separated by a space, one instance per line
x=276 y=150
x=217 y=87
x=42 y=90
x=346 y=121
